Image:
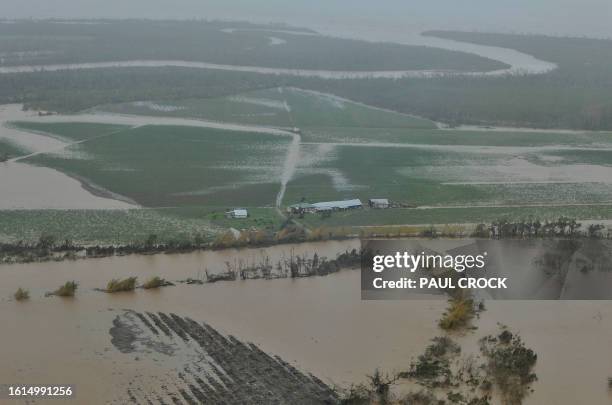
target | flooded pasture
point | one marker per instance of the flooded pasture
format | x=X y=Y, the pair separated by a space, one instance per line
x=319 y=325
x=31 y=187
x=24 y=186
x=27 y=140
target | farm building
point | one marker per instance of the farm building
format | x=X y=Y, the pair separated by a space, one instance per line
x=237 y=213
x=301 y=208
x=338 y=205
x=378 y=203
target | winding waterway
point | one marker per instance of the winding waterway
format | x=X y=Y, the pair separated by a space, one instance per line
x=520 y=63
x=323 y=74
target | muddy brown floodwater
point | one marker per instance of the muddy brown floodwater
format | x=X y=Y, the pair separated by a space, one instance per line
x=23 y=186
x=318 y=325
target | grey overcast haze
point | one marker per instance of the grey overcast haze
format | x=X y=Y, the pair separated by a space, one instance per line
x=552 y=17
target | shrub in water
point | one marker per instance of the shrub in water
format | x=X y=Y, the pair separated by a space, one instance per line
x=21 y=294
x=115 y=285
x=458 y=315
x=154 y=282
x=67 y=290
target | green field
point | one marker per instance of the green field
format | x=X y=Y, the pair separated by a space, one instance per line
x=261 y=218
x=353 y=151
x=278 y=107
x=442 y=216
x=454 y=169
x=159 y=166
x=418 y=136
x=184 y=224
x=128 y=226
x=98 y=226
x=371 y=172
x=347 y=150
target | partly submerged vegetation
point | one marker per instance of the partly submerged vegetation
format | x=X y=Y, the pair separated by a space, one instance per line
x=510 y=365
x=503 y=368
x=440 y=376
x=116 y=285
x=68 y=289
x=459 y=313
x=21 y=294
x=155 y=282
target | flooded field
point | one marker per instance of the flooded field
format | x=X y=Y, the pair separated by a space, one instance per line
x=29 y=141
x=25 y=184
x=318 y=325
x=30 y=187
x=23 y=187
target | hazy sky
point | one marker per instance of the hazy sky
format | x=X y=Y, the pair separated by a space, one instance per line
x=557 y=17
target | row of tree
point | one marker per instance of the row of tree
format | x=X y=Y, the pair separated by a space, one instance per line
x=561 y=227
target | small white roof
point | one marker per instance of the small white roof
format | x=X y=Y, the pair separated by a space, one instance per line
x=239 y=211
x=379 y=200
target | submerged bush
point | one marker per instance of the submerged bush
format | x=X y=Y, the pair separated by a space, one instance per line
x=67 y=290
x=442 y=346
x=115 y=285
x=21 y=294
x=510 y=364
x=154 y=282
x=356 y=395
x=458 y=315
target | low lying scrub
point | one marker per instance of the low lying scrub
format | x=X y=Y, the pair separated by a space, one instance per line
x=116 y=285
x=21 y=294
x=66 y=290
x=432 y=368
x=155 y=282
x=459 y=313
x=376 y=391
x=510 y=364
x=442 y=376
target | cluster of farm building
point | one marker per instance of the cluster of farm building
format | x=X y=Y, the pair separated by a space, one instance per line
x=342 y=205
x=320 y=207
